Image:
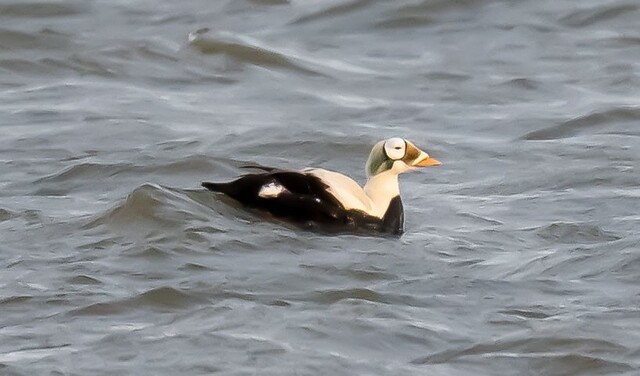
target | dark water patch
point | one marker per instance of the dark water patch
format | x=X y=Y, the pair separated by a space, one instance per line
x=193 y=267
x=541 y=345
x=332 y=11
x=522 y=83
x=83 y=279
x=179 y=144
x=82 y=174
x=162 y=298
x=37 y=9
x=569 y=262
x=468 y=263
x=628 y=267
x=32 y=217
x=594 y=15
x=142 y=49
x=279 y=303
x=23 y=66
x=188 y=165
x=482 y=219
x=334 y=296
x=11 y=300
x=78 y=64
x=526 y=314
x=351 y=272
x=624 y=41
x=167 y=297
x=581 y=124
x=45 y=39
x=355 y=151
x=101 y=244
x=141 y=206
x=84 y=171
x=152 y=212
x=575 y=233
x=244 y=52
x=148 y=253
x=404 y=22
x=578 y=364
x=5 y=215
x=270 y=2
x=433 y=7
x=447 y=76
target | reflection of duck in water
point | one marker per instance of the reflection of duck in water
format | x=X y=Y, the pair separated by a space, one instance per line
x=326 y=199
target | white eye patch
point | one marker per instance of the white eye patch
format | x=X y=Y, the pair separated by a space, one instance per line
x=395 y=148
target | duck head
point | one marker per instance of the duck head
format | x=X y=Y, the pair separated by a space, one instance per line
x=397 y=155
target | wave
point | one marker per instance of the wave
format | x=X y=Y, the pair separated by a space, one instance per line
x=332 y=11
x=581 y=124
x=161 y=298
x=84 y=174
x=251 y=51
x=575 y=233
x=6 y=215
x=591 y=16
x=246 y=51
x=41 y=9
x=45 y=39
x=567 y=355
x=152 y=205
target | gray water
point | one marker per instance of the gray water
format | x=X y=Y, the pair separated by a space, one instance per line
x=521 y=254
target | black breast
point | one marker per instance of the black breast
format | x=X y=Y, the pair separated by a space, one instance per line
x=393 y=220
x=391 y=223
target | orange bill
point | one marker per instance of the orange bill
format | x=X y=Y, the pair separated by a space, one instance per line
x=428 y=161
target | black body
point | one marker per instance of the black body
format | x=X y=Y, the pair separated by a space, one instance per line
x=307 y=202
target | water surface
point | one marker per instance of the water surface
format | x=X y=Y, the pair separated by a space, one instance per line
x=521 y=253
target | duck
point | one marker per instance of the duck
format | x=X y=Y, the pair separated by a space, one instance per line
x=316 y=198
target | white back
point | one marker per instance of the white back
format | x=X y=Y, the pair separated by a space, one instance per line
x=344 y=189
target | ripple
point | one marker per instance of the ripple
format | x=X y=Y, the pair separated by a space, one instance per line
x=162 y=298
x=588 y=17
x=32 y=354
x=45 y=39
x=355 y=273
x=5 y=215
x=334 y=296
x=525 y=313
x=41 y=9
x=581 y=124
x=333 y=11
x=427 y=7
x=404 y=22
x=83 y=171
x=18 y=299
x=245 y=51
x=141 y=206
x=522 y=83
x=572 y=233
x=156 y=214
x=553 y=347
x=83 y=280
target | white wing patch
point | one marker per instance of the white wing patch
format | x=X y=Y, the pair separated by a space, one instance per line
x=272 y=190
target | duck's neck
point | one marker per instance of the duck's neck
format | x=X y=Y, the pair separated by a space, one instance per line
x=381 y=189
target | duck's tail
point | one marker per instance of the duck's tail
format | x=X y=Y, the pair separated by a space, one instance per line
x=216 y=187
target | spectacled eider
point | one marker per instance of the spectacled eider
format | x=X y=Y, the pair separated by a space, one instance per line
x=320 y=198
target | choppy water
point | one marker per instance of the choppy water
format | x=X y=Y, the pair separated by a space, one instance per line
x=522 y=252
